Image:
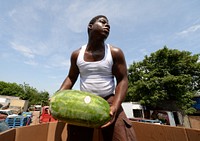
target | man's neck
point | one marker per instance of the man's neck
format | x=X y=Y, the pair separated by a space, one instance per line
x=94 y=45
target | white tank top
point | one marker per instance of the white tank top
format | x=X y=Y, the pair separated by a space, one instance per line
x=96 y=77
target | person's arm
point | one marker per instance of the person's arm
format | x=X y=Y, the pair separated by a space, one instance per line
x=73 y=73
x=120 y=72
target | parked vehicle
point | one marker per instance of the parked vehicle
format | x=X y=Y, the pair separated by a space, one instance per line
x=8 y=113
x=156 y=121
x=37 y=108
x=4 y=102
x=133 y=109
x=167 y=117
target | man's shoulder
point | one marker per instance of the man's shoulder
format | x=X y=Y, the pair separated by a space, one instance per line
x=79 y=49
x=75 y=53
x=115 y=50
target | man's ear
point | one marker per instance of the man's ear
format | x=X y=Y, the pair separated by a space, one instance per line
x=90 y=26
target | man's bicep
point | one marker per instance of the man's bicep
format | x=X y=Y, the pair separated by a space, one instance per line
x=72 y=74
x=119 y=67
x=74 y=71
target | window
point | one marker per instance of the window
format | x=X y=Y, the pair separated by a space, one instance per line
x=137 y=113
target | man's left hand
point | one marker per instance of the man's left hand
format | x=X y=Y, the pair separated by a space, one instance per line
x=113 y=112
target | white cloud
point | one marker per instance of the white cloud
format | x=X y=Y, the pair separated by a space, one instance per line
x=27 y=52
x=190 y=30
x=78 y=14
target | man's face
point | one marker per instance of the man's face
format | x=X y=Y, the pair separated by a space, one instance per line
x=101 y=27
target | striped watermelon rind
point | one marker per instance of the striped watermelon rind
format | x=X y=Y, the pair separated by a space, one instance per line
x=80 y=108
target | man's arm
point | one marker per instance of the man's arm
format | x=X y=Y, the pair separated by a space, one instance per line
x=120 y=73
x=119 y=70
x=73 y=73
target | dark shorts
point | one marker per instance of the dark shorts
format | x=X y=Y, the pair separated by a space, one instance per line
x=120 y=130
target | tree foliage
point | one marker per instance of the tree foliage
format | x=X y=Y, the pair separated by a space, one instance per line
x=165 y=77
x=25 y=92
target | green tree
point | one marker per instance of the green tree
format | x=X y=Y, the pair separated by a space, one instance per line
x=44 y=98
x=25 y=92
x=167 y=78
x=10 y=89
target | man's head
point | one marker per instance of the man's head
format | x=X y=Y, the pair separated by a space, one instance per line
x=94 y=19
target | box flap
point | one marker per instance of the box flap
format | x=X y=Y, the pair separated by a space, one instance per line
x=32 y=133
x=193 y=134
x=57 y=131
x=154 y=132
x=8 y=135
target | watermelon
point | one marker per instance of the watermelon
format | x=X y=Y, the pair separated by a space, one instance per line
x=80 y=108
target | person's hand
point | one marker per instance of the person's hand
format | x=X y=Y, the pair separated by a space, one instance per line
x=113 y=112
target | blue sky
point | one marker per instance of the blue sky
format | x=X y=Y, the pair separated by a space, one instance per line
x=37 y=37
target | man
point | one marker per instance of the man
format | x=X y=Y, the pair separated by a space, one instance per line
x=98 y=63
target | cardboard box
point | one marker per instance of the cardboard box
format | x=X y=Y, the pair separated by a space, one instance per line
x=54 y=131
x=153 y=132
x=57 y=131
